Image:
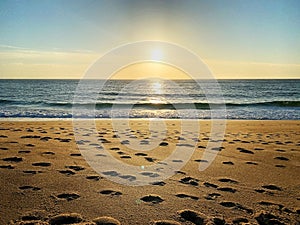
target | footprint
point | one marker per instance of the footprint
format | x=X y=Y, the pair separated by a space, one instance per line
x=111 y=173
x=282 y=158
x=149 y=174
x=181 y=195
x=105 y=220
x=246 y=151
x=30 y=145
x=272 y=187
x=3 y=148
x=111 y=192
x=115 y=149
x=207 y=184
x=7 y=167
x=159 y=183
x=31 y=136
x=68 y=196
x=192 y=216
x=13 y=159
x=227 y=189
x=125 y=157
x=228 y=163
x=43 y=164
x=265 y=203
x=164 y=144
x=48 y=153
x=75 y=167
x=67 y=218
x=152 y=198
x=93 y=177
x=190 y=181
x=32 y=171
x=228 y=180
x=67 y=172
x=200 y=160
x=268 y=218
x=149 y=159
x=27 y=187
x=236 y=206
x=75 y=154
x=128 y=177
x=24 y=151
x=140 y=154
x=251 y=163
x=212 y=196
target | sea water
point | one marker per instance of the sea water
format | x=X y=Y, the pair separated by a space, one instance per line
x=187 y=99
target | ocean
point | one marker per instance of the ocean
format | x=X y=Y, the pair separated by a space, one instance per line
x=186 y=99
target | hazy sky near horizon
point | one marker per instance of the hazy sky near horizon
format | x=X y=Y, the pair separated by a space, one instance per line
x=236 y=38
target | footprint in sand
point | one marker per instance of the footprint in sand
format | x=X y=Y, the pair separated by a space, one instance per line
x=42 y=164
x=68 y=218
x=272 y=187
x=228 y=163
x=28 y=187
x=192 y=216
x=282 y=158
x=149 y=159
x=149 y=174
x=7 y=167
x=265 y=203
x=48 y=153
x=68 y=196
x=236 y=206
x=105 y=220
x=212 y=196
x=251 y=163
x=140 y=154
x=31 y=171
x=268 y=218
x=155 y=199
x=210 y=185
x=67 y=172
x=125 y=157
x=3 y=148
x=76 y=167
x=30 y=145
x=110 y=192
x=13 y=159
x=182 y=195
x=227 y=189
x=228 y=180
x=159 y=183
x=190 y=181
x=93 y=177
x=75 y=154
x=24 y=151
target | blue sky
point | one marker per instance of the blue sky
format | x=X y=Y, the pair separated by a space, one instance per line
x=60 y=39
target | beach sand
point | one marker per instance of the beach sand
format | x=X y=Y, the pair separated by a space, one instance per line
x=254 y=178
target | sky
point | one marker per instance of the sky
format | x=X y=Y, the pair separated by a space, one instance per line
x=235 y=38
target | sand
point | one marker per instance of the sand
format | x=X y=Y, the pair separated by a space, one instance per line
x=254 y=179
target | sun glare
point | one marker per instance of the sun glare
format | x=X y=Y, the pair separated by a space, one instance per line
x=157 y=87
x=156 y=55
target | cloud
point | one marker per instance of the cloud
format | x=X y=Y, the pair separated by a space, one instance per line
x=17 y=62
x=253 y=70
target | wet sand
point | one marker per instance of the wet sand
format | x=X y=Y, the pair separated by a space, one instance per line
x=254 y=179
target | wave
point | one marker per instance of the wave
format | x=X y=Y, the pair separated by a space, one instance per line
x=149 y=105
